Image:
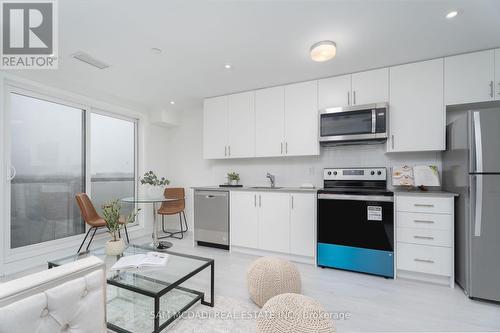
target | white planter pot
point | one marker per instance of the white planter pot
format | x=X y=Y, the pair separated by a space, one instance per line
x=233 y=182
x=155 y=191
x=114 y=248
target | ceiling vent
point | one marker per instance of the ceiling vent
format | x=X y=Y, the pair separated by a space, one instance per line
x=88 y=59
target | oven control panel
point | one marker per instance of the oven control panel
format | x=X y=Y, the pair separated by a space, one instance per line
x=355 y=174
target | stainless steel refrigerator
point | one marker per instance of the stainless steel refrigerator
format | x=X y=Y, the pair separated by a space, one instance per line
x=471 y=168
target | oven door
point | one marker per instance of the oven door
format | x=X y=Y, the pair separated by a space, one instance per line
x=356 y=232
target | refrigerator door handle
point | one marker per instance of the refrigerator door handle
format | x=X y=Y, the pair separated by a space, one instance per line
x=478 y=141
x=478 y=209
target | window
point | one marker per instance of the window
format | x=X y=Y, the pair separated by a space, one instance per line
x=47 y=161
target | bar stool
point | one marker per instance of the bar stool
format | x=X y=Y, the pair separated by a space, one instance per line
x=173 y=208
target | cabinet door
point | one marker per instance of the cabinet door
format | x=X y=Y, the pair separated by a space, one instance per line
x=334 y=91
x=417 y=113
x=497 y=74
x=468 y=77
x=244 y=226
x=301 y=119
x=215 y=127
x=302 y=224
x=270 y=121
x=370 y=87
x=241 y=125
x=274 y=221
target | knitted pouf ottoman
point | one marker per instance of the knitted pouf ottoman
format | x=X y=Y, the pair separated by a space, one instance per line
x=268 y=277
x=293 y=313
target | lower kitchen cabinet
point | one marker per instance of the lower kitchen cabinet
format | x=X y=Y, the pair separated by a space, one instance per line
x=274 y=221
x=244 y=219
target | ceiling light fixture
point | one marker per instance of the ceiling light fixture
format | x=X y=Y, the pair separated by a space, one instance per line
x=172 y=102
x=323 y=51
x=452 y=14
x=228 y=66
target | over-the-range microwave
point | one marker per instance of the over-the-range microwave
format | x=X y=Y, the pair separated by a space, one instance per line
x=359 y=124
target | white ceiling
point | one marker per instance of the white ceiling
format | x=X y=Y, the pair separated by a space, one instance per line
x=267 y=42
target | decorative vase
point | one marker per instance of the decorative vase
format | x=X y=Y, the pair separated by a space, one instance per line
x=233 y=182
x=155 y=191
x=114 y=248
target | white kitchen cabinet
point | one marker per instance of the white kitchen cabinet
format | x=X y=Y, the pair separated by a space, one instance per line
x=274 y=221
x=241 y=125
x=302 y=224
x=244 y=219
x=269 y=121
x=334 y=91
x=469 y=78
x=301 y=119
x=370 y=87
x=417 y=112
x=497 y=74
x=215 y=127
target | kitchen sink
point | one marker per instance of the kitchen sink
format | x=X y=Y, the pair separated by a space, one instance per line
x=265 y=187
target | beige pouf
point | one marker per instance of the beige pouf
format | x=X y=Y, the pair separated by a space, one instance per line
x=268 y=277
x=294 y=313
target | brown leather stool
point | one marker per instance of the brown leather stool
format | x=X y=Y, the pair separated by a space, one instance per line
x=172 y=208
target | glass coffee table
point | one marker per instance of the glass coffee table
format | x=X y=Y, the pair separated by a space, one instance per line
x=149 y=300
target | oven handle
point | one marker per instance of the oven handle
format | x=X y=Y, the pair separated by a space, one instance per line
x=355 y=197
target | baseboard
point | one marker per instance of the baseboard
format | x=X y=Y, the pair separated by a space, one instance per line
x=263 y=253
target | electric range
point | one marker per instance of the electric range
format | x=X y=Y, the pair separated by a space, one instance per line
x=356 y=221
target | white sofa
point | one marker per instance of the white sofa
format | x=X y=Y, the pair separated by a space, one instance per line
x=68 y=298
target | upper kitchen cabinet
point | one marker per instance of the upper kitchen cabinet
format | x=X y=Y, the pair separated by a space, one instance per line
x=334 y=91
x=301 y=119
x=469 y=78
x=417 y=112
x=497 y=74
x=370 y=87
x=229 y=126
x=269 y=121
x=241 y=124
x=215 y=124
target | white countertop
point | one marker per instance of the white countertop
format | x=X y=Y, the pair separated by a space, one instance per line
x=256 y=189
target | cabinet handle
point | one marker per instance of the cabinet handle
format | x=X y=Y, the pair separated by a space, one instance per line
x=229 y=150
x=255 y=200
x=354 y=97
x=292 y=201
x=392 y=141
x=260 y=201
x=286 y=147
x=423 y=205
x=491 y=89
x=423 y=237
x=422 y=221
x=498 y=88
x=281 y=143
x=225 y=150
x=424 y=260
x=348 y=99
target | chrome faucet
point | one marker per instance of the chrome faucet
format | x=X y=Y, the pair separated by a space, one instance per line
x=272 y=178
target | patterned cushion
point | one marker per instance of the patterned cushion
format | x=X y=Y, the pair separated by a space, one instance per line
x=268 y=277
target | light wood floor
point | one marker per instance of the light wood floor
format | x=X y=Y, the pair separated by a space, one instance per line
x=373 y=303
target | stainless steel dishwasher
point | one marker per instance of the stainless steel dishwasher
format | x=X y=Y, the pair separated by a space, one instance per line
x=211 y=218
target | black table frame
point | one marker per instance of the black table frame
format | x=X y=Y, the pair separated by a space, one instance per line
x=168 y=287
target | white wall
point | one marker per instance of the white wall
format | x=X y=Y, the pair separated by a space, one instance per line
x=187 y=168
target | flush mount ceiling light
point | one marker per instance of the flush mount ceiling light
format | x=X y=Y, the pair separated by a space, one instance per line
x=172 y=102
x=452 y=14
x=228 y=66
x=323 y=51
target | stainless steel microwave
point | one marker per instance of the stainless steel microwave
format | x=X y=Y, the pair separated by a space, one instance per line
x=357 y=124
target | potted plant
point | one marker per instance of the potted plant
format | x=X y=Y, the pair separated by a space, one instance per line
x=155 y=185
x=111 y=215
x=233 y=178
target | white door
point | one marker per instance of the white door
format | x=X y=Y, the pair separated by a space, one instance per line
x=370 y=87
x=274 y=221
x=269 y=121
x=497 y=74
x=244 y=226
x=417 y=111
x=334 y=91
x=302 y=224
x=301 y=119
x=469 y=78
x=241 y=125
x=215 y=127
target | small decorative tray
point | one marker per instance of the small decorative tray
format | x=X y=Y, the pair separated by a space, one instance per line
x=227 y=185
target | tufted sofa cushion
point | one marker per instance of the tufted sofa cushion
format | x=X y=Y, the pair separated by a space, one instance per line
x=69 y=298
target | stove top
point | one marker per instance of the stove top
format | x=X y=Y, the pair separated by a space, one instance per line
x=357 y=191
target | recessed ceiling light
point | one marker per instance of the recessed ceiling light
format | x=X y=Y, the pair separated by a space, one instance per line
x=228 y=66
x=452 y=14
x=323 y=51
x=156 y=50
x=172 y=102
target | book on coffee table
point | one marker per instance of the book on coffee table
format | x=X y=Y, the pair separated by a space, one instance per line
x=138 y=261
